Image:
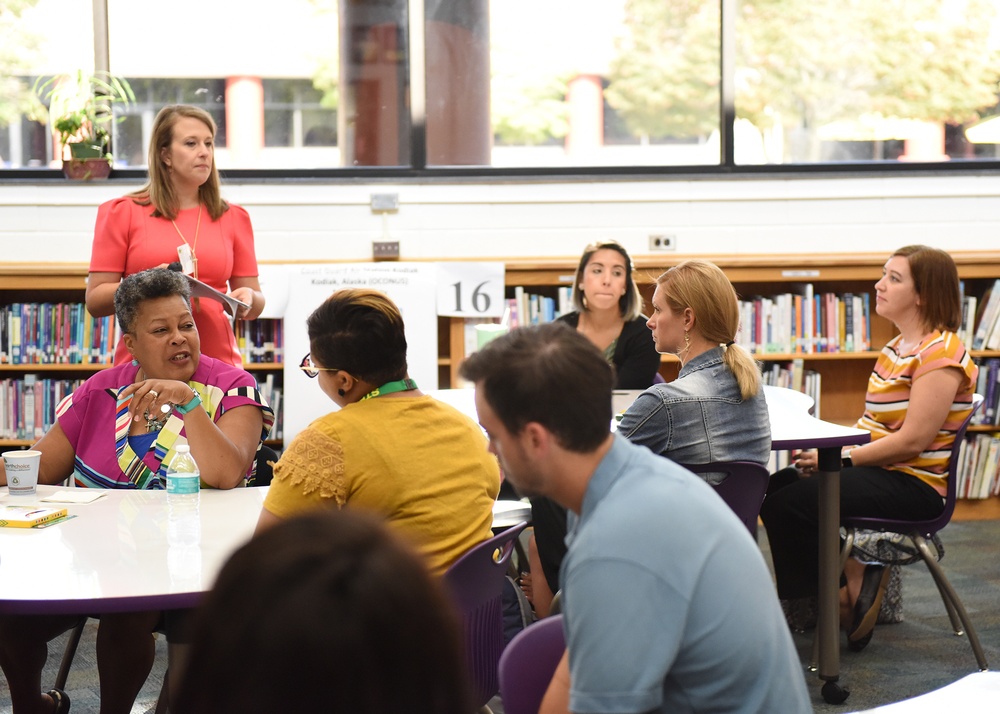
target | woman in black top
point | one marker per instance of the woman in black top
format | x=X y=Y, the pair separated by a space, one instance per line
x=609 y=313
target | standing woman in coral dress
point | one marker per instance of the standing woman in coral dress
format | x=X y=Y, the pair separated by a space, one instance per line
x=179 y=216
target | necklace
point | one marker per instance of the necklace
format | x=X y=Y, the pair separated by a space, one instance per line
x=154 y=423
x=402 y=385
x=192 y=247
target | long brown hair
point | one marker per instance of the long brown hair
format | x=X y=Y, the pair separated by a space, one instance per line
x=325 y=612
x=159 y=190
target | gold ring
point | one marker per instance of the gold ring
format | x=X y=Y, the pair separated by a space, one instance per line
x=154 y=393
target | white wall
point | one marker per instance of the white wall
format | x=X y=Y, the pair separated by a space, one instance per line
x=53 y=222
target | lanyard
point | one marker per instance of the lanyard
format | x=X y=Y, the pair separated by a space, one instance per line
x=402 y=385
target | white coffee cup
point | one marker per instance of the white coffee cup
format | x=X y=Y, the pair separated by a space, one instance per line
x=22 y=471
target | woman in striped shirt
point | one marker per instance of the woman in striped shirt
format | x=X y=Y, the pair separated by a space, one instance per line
x=918 y=395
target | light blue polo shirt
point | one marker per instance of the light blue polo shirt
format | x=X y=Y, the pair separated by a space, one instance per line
x=668 y=603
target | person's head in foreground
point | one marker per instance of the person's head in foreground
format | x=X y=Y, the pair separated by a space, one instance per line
x=326 y=612
x=549 y=376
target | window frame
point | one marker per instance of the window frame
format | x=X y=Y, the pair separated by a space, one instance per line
x=418 y=170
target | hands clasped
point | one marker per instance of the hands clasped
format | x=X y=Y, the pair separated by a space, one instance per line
x=155 y=397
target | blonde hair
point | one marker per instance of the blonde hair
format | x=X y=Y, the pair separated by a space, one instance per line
x=703 y=287
x=159 y=190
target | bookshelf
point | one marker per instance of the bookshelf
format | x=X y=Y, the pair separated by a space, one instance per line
x=66 y=283
x=843 y=375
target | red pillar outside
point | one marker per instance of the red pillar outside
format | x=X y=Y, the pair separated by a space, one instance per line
x=374 y=86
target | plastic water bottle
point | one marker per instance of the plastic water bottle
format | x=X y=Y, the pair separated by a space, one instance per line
x=183 y=496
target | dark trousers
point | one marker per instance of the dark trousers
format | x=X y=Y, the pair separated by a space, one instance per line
x=548 y=519
x=791 y=516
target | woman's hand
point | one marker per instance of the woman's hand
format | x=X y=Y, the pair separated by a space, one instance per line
x=244 y=295
x=247 y=290
x=157 y=397
x=805 y=462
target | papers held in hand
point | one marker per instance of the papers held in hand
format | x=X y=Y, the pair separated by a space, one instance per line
x=200 y=289
x=229 y=303
x=28 y=516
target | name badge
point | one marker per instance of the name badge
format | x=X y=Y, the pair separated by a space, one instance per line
x=186 y=259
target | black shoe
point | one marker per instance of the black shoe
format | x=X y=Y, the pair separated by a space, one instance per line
x=866 y=608
x=61 y=700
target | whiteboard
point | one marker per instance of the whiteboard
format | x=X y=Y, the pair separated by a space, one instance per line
x=412 y=286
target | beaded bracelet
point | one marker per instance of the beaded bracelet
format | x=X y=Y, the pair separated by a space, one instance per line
x=195 y=401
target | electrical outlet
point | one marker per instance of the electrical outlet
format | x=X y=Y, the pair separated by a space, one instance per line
x=384 y=202
x=662 y=241
x=385 y=250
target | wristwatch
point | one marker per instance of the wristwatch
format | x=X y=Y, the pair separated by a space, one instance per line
x=846 y=462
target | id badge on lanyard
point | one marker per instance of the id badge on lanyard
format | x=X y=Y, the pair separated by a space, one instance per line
x=186 y=259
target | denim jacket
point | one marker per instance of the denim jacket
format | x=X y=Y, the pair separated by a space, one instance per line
x=700 y=417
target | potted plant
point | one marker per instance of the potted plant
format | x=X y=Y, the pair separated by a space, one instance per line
x=80 y=106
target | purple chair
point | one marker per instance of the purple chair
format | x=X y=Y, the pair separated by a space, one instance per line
x=475 y=582
x=919 y=532
x=528 y=663
x=743 y=488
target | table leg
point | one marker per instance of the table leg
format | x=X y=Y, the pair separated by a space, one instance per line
x=829 y=578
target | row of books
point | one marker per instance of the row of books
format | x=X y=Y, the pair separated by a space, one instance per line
x=985 y=317
x=806 y=323
x=273 y=394
x=793 y=375
x=261 y=341
x=55 y=333
x=28 y=405
x=533 y=309
x=987 y=385
x=979 y=462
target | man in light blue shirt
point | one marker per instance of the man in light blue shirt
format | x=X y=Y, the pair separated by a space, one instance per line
x=668 y=604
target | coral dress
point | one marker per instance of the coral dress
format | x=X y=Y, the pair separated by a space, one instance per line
x=128 y=239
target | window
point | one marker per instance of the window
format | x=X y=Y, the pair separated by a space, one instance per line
x=556 y=85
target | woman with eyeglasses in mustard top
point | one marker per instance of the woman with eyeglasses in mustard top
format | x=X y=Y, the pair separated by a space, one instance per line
x=389 y=448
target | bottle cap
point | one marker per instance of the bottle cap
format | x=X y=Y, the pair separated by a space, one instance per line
x=183 y=448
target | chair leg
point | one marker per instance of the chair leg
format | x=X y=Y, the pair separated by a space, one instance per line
x=956 y=622
x=950 y=596
x=845 y=553
x=69 y=653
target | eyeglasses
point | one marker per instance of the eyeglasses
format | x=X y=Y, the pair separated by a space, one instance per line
x=311 y=370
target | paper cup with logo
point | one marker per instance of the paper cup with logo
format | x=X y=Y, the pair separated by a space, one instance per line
x=22 y=471
x=487 y=332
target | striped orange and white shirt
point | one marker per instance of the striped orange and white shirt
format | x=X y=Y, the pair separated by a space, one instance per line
x=888 y=398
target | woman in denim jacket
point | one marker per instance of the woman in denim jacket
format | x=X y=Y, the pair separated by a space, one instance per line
x=715 y=409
